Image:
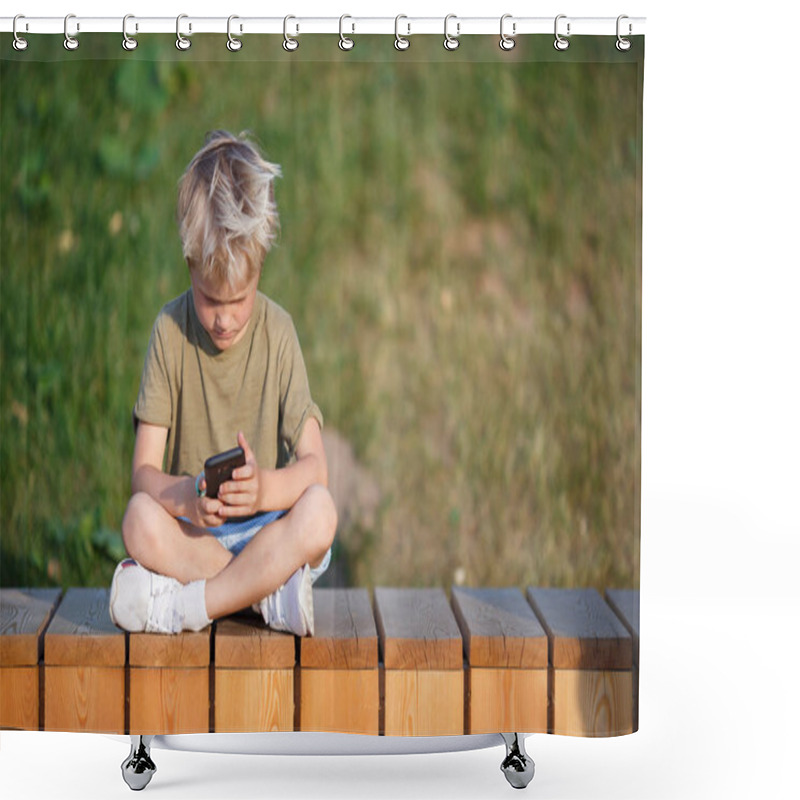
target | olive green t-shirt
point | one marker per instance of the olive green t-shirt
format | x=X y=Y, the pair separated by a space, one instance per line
x=204 y=395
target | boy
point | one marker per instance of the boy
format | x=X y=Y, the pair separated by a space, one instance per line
x=224 y=367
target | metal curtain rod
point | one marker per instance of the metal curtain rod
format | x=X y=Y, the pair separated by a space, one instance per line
x=563 y=25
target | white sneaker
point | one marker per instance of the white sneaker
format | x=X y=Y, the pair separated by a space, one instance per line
x=291 y=607
x=142 y=600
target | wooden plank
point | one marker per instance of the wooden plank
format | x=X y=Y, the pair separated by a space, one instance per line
x=625 y=604
x=82 y=633
x=345 y=636
x=253 y=676
x=169 y=700
x=424 y=663
x=507 y=700
x=424 y=702
x=591 y=656
x=251 y=700
x=188 y=649
x=169 y=682
x=584 y=632
x=19 y=698
x=340 y=701
x=592 y=702
x=417 y=630
x=339 y=687
x=84 y=699
x=84 y=674
x=24 y=614
x=499 y=629
x=506 y=647
x=245 y=642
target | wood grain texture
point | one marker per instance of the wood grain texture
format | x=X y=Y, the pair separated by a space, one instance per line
x=583 y=631
x=592 y=702
x=169 y=700
x=24 y=614
x=417 y=630
x=499 y=629
x=19 y=698
x=90 y=699
x=340 y=701
x=345 y=636
x=82 y=633
x=245 y=642
x=507 y=700
x=424 y=702
x=253 y=700
x=189 y=649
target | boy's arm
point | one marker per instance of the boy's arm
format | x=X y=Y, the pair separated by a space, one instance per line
x=175 y=493
x=281 y=488
x=276 y=489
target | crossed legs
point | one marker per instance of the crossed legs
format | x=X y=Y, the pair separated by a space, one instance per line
x=175 y=548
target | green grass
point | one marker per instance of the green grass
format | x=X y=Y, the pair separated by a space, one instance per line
x=459 y=251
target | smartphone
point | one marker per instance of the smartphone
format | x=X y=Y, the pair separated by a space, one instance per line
x=219 y=469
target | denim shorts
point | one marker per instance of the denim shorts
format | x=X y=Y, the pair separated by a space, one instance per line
x=235 y=534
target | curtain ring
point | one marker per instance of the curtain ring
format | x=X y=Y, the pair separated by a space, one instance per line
x=127 y=42
x=233 y=44
x=290 y=43
x=400 y=42
x=345 y=43
x=623 y=44
x=182 y=43
x=70 y=42
x=506 y=42
x=561 y=43
x=19 y=43
x=451 y=42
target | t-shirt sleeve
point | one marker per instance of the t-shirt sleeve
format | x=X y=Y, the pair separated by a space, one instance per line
x=296 y=402
x=154 y=402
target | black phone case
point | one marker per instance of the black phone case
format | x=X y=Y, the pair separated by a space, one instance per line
x=219 y=468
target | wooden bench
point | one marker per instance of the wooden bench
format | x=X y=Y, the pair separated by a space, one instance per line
x=411 y=663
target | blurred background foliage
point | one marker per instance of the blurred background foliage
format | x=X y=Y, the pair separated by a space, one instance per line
x=460 y=251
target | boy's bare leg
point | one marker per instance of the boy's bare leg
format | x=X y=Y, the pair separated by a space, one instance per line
x=171 y=547
x=168 y=546
x=301 y=537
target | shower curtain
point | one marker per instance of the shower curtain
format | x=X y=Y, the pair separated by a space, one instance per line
x=460 y=251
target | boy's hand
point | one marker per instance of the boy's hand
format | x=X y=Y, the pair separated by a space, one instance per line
x=240 y=497
x=207 y=509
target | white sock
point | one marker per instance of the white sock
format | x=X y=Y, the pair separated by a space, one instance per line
x=192 y=602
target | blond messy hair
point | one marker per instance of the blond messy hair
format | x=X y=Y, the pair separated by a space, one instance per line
x=227 y=215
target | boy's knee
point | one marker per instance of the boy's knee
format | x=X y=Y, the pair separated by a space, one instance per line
x=138 y=525
x=326 y=518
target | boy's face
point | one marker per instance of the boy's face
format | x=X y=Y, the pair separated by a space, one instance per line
x=223 y=309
